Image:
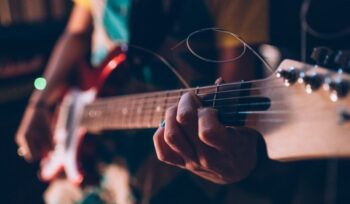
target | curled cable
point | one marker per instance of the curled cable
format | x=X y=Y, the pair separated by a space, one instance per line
x=245 y=46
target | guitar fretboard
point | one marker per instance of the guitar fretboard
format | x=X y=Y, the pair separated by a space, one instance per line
x=140 y=111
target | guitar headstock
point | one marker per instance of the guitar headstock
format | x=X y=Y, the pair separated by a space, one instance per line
x=309 y=115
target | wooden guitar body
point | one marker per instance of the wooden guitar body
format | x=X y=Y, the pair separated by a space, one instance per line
x=68 y=132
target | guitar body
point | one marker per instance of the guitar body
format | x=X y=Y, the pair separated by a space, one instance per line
x=67 y=137
x=68 y=133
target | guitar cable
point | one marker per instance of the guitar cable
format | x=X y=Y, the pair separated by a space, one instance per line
x=220 y=30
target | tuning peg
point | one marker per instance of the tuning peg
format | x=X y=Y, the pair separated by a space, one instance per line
x=313 y=82
x=290 y=76
x=342 y=58
x=321 y=55
x=339 y=88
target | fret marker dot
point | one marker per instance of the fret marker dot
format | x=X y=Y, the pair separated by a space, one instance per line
x=158 y=108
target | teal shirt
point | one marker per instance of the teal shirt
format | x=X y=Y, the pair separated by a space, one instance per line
x=110 y=18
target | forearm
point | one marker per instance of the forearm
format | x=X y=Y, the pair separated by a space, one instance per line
x=34 y=133
x=69 y=49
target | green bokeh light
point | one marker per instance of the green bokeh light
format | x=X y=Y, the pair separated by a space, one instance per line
x=40 y=83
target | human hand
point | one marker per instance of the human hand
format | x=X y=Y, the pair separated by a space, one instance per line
x=194 y=139
x=33 y=136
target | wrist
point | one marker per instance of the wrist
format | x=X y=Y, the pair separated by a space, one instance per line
x=38 y=104
x=37 y=101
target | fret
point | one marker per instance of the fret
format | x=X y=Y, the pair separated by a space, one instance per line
x=102 y=111
x=117 y=117
x=215 y=95
x=165 y=105
x=157 y=119
x=206 y=90
x=146 y=111
x=224 y=105
x=197 y=90
x=153 y=110
x=180 y=94
x=143 y=115
x=115 y=114
x=159 y=109
x=102 y=121
x=140 y=112
x=123 y=111
x=128 y=116
x=109 y=111
x=133 y=113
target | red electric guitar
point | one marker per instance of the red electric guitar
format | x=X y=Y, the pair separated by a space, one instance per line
x=302 y=112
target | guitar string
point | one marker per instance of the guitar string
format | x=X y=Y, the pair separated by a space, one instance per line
x=154 y=106
x=147 y=110
x=169 y=104
x=160 y=117
x=112 y=110
x=245 y=104
x=148 y=99
x=156 y=121
x=134 y=113
x=157 y=114
x=151 y=103
x=177 y=98
x=188 y=90
x=160 y=102
x=160 y=98
x=125 y=124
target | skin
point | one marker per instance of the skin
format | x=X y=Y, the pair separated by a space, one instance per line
x=194 y=139
x=34 y=135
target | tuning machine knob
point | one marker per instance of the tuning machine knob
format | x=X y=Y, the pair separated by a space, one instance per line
x=338 y=89
x=342 y=58
x=312 y=81
x=321 y=55
x=290 y=75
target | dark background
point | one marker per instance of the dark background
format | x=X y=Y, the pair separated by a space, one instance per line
x=20 y=41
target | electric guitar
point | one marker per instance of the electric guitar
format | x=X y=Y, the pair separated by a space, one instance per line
x=302 y=112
